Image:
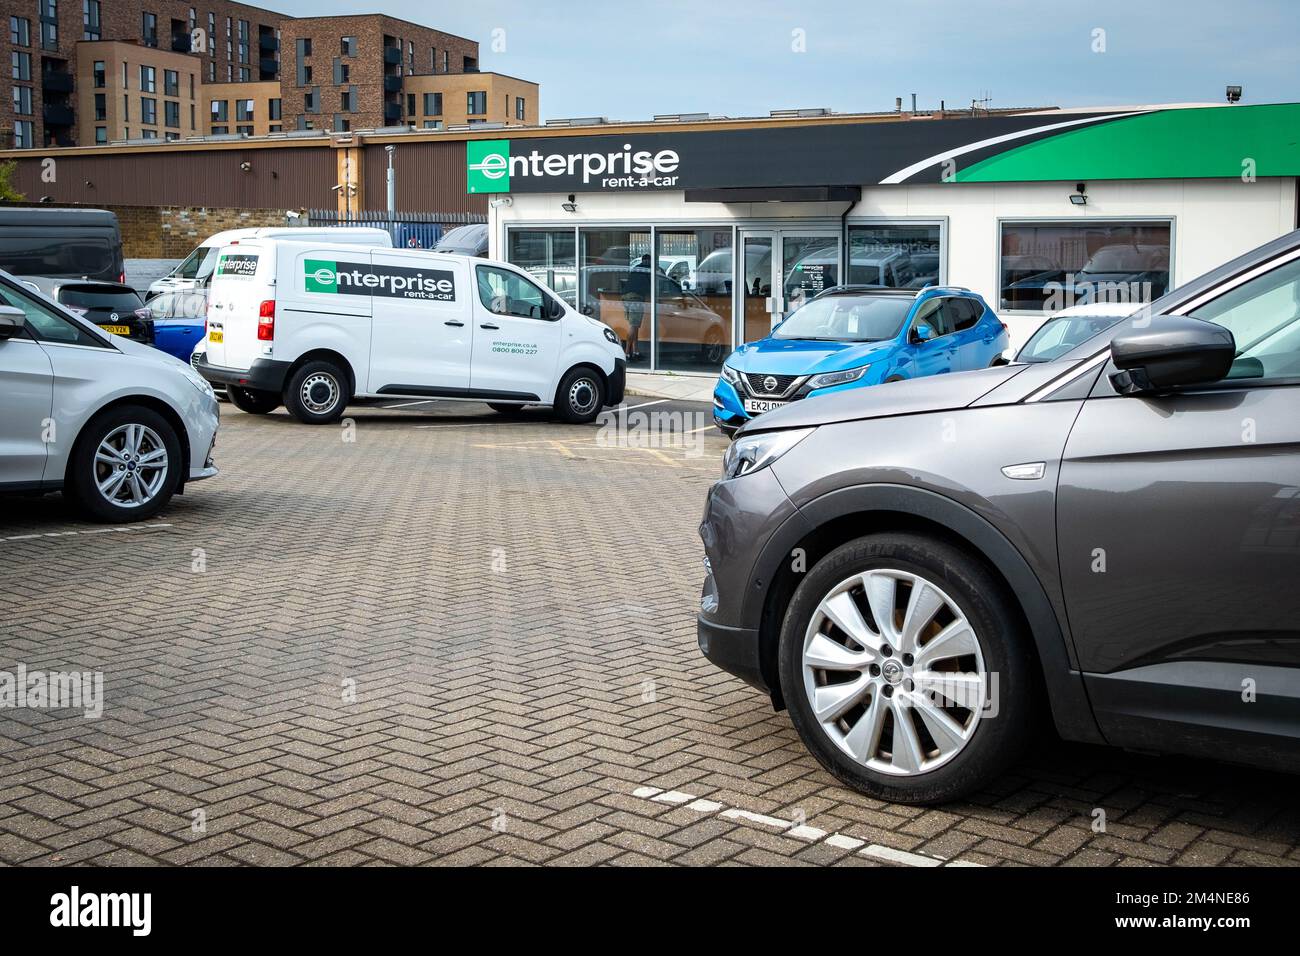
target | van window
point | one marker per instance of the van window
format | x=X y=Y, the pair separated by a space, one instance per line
x=199 y=264
x=45 y=324
x=58 y=256
x=507 y=293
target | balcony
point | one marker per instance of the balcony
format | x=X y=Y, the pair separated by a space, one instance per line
x=181 y=43
x=392 y=113
x=393 y=55
x=56 y=81
x=55 y=115
x=267 y=43
x=393 y=84
x=268 y=67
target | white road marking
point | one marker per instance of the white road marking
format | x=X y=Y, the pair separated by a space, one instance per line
x=70 y=534
x=793 y=828
x=632 y=408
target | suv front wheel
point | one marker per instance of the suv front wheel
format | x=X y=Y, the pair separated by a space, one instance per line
x=906 y=670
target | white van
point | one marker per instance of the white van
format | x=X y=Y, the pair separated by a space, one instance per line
x=196 y=268
x=315 y=325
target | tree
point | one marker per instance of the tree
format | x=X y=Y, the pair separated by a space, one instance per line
x=7 y=191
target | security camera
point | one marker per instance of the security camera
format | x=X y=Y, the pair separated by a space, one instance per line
x=246 y=166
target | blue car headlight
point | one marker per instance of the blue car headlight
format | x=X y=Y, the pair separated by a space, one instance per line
x=731 y=375
x=827 y=379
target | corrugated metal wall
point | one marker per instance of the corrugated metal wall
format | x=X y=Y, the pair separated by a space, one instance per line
x=430 y=176
x=276 y=179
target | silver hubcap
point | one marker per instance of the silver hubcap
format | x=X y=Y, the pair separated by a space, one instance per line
x=320 y=393
x=130 y=466
x=582 y=396
x=893 y=672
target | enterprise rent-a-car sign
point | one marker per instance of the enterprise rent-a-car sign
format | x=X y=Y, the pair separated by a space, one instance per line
x=364 y=278
x=1047 y=146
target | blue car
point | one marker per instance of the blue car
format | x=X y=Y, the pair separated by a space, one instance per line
x=179 y=320
x=852 y=337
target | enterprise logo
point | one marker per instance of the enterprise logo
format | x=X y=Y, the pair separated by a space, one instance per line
x=491 y=167
x=363 y=278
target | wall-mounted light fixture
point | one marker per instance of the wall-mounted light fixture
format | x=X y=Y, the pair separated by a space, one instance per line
x=246 y=166
x=569 y=206
x=1234 y=94
x=1079 y=197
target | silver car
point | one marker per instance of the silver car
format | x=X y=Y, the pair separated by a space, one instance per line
x=117 y=426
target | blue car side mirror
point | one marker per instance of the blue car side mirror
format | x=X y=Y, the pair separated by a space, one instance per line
x=922 y=333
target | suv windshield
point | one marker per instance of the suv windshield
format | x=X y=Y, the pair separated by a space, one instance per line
x=847 y=318
x=1057 y=336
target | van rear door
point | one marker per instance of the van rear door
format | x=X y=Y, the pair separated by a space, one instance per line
x=243 y=279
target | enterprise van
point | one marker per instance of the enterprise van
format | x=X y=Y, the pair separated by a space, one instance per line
x=195 y=270
x=314 y=325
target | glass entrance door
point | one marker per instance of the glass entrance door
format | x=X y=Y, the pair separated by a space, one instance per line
x=778 y=270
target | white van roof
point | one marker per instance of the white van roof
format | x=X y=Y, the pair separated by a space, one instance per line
x=347 y=235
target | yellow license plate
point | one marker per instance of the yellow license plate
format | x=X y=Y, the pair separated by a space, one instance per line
x=117 y=329
x=215 y=335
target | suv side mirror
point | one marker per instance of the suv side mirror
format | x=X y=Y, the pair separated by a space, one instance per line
x=1172 y=351
x=922 y=333
x=12 y=321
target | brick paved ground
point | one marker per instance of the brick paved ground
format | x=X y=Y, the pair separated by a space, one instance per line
x=513 y=606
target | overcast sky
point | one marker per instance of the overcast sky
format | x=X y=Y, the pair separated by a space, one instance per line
x=631 y=60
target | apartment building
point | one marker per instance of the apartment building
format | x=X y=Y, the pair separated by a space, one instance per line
x=84 y=72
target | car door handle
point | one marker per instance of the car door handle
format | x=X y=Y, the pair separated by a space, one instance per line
x=453 y=322
x=489 y=325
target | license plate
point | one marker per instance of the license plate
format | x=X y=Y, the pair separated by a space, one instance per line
x=117 y=329
x=216 y=335
x=756 y=406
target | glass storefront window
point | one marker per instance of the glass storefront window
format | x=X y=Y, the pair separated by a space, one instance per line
x=1051 y=266
x=693 y=317
x=549 y=256
x=614 y=286
x=894 y=257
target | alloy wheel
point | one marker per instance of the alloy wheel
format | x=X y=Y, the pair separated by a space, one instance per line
x=130 y=465
x=893 y=672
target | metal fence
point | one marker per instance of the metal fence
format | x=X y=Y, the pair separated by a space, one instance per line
x=410 y=230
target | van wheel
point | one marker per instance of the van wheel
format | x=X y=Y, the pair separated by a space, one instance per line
x=580 y=397
x=254 y=401
x=125 y=465
x=316 y=394
x=510 y=411
x=907 y=672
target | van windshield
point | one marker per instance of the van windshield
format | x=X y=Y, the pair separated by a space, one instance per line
x=199 y=264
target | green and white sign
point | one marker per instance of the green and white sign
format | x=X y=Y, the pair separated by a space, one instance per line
x=237 y=266
x=328 y=277
x=488 y=169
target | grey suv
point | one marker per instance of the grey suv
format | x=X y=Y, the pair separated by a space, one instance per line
x=919 y=571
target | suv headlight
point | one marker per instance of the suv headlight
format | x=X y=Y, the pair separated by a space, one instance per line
x=827 y=379
x=730 y=374
x=749 y=453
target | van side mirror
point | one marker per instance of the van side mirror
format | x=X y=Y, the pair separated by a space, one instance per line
x=1171 y=352
x=922 y=333
x=12 y=321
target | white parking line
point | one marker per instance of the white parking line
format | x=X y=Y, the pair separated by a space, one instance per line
x=631 y=408
x=794 y=828
x=87 y=531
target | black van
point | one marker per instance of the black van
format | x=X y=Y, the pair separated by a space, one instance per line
x=61 y=243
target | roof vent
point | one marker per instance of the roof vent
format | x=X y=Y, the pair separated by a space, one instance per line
x=580 y=121
x=786 y=114
x=682 y=117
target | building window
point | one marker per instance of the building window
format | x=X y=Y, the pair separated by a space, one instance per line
x=24 y=134
x=171 y=83
x=149 y=29
x=90 y=29
x=49 y=35
x=244 y=130
x=311 y=100
x=220 y=111
x=895 y=256
x=172 y=114
x=148 y=110
x=126 y=109
x=245 y=74
x=476 y=103
x=348 y=46
x=148 y=79
x=101 y=134
x=410 y=104
x=520 y=108
x=221 y=131
x=148 y=134
x=342 y=125
x=433 y=59
x=304 y=46
x=446 y=62
x=171 y=137
x=410 y=57
x=212 y=42
x=274 y=128
x=432 y=104
x=471 y=64
x=22 y=65
x=244 y=111
x=99 y=75
x=193 y=125
x=273 y=109
x=23 y=100
x=433 y=124
x=347 y=101
x=243 y=41
x=20 y=31
x=101 y=106
x=620 y=295
x=1045 y=267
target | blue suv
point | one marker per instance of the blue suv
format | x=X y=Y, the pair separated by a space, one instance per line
x=851 y=337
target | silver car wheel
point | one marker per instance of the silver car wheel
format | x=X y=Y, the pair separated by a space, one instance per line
x=130 y=466
x=320 y=393
x=893 y=672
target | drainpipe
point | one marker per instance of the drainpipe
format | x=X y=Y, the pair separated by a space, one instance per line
x=844 y=238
